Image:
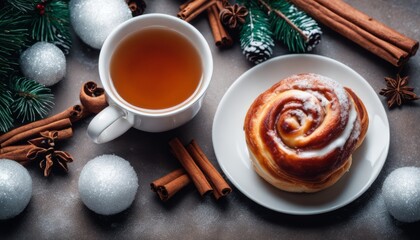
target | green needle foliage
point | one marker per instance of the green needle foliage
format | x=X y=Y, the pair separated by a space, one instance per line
x=13 y=37
x=22 y=5
x=6 y=119
x=279 y=20
x=22 y=23
x=298 y=31
x=53 y=26
x=255 y=35
x=31 y=100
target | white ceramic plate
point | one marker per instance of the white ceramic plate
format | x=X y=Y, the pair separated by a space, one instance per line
x=232 y=153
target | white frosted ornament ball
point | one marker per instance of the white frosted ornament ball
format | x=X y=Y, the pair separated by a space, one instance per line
x=108 y=184
x=93 y=20
x=15 y=188
x=401 y=192
x=43 y=62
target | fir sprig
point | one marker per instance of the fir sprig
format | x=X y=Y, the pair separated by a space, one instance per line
x=298 y=31
x=22 y=23
x=22 y=5
x=31 y=100
x=53 y=24
x=6 y=119
x=13 y=37
x=255 y=35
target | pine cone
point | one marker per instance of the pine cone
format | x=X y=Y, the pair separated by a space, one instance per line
x=257 y=52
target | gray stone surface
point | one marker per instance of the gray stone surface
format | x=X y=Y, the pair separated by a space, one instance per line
x=56 y=211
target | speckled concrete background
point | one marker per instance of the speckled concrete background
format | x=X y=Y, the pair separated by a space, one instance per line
x=56 y=211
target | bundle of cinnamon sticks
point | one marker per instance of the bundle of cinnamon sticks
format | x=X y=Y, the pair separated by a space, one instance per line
x=197 y=168
x=18 y=143
x=192 y=8
x=358 y=27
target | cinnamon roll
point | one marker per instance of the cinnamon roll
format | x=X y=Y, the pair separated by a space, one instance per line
x=301 y=133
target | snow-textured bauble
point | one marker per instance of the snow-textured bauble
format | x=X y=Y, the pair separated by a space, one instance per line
x=43 y=62
x=401 y=192
x=93 y=20
x=108 y=184
x=15 y=188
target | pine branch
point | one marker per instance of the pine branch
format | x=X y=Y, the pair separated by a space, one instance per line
x=255 y=35
x=298 y=31
x=22 y=5
x=13 y=37
x=53 y=24
x=6 y=119
x=31 y=100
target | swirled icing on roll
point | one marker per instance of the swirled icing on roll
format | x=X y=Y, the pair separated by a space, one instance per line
x=302 y=131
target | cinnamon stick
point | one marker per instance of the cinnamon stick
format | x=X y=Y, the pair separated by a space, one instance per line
x=170 y=184
x=214 y=27
x=166 y=191
x=196 y=175
x=199 y=10
x=361 y=29
x=17 y=149
x=220 y=186
x=25 y=135
x=60 y=135
x=9 y=149
x=371 y=25
x=220 y=35
x=74 y=113
x=166 y=179
x=219 y=5
x=190 y=7
x=17 y=153
x=92 y=97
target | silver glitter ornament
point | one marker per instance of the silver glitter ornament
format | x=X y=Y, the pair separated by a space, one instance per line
x=108 y=184
x=15 y=188
x=43 y=62
x=93 y=20
x=401 y=192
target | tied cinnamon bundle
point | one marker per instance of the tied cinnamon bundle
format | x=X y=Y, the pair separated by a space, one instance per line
x=196 y=168
x=37 y=140
x=358 y=27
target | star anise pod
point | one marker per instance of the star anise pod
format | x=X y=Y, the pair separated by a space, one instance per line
x=397 y=91
x=233 y=15
x=44 y=150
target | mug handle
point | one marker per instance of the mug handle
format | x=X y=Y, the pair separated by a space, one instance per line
x=109 y=124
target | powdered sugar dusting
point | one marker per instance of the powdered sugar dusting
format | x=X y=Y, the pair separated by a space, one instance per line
x=322 y=99
x=327 y=84
x=311 y=103
x=338 y=142
x=311 y=97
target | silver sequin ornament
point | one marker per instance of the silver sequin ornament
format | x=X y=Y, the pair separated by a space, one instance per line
x=15 y=188
x=108 y=184
x=93 y=20
x=43 y=62
x=401 y=192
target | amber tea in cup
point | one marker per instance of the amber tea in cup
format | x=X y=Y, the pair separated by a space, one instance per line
x=156 y=68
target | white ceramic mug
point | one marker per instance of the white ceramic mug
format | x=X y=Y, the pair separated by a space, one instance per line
x=120 y=116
